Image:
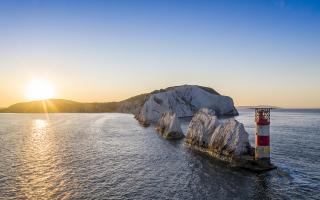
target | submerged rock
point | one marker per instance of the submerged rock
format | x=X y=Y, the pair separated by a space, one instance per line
x=225 y=139
x=169 y=126
x=184 y=101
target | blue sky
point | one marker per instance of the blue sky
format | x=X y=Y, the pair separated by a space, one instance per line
x=257 y=52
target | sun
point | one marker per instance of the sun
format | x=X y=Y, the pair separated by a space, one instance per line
x=39 y=90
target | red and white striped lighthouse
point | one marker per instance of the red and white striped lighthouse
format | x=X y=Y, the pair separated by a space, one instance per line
x=262 y=119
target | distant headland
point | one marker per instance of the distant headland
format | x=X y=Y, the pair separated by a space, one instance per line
x=186 y=98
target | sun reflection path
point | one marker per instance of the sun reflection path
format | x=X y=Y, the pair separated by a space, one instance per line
x=41 y=175
x=40 y=127
x=40 y=123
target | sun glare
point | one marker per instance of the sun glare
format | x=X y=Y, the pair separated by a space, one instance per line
x=39 y=90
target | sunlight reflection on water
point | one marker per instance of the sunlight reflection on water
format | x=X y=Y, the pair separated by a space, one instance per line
x=40 y=175
x=40 y=124
x=109 y=156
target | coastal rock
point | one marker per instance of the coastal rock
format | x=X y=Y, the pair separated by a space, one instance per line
x=202 y=126
x=230 y=138
x=184 y=101
x=169 y=126
x=225 y=138
x=132 y=105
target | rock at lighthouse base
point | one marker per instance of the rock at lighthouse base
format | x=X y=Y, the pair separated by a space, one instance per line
x=225 y=139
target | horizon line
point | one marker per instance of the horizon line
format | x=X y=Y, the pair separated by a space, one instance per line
x=237 y=106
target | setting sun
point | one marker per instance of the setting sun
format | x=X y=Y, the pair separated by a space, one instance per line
x=40 y=89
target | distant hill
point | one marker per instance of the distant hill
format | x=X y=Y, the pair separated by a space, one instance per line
x=60 y=105
x=130 y=105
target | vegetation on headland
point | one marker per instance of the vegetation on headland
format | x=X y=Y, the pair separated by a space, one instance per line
x=130 y=105
x=60 y=105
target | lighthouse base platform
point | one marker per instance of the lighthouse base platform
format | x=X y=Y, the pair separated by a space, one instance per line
x=246 y=162
x=249 y=163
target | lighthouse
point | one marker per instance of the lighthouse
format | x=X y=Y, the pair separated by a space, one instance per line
x=262 y=150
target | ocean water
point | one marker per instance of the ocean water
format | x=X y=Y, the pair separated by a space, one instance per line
x=109 y=156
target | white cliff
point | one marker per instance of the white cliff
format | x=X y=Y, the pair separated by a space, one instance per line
x=202 y=126
x=226 y=139
x=230 y=138
x=185 y=101
x=169 y=126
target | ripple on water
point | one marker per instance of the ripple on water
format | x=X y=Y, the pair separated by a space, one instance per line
x=109 y=156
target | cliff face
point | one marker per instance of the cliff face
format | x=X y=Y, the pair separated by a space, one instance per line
x=201 y=127
x=225 y=139
x=132 y=105
x=169 y=126
x=185 y=101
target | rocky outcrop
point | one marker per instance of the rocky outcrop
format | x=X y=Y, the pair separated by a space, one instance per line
x=223 y=138
x=169 y=126
x=184 y=101
x=132 y=105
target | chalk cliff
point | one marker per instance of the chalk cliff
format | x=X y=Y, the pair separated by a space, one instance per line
x=169 y=126
x=185 y=101
x=224 y=138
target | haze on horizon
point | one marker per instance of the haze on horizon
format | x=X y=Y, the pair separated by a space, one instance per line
x=257 y=52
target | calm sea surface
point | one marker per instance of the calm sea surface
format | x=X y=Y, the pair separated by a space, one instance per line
x=109 y=156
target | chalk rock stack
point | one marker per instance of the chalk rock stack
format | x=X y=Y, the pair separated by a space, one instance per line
x=225 y=138
x=169 y=126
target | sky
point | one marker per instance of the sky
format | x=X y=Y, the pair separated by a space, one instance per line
x=257 y=52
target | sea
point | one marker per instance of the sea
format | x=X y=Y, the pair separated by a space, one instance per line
x=110 y=156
